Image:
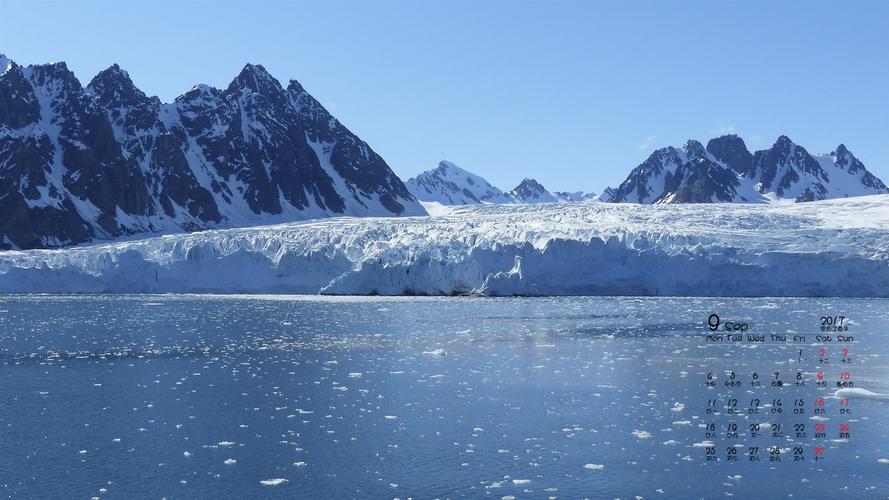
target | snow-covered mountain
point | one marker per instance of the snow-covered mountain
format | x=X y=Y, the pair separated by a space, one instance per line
x=531 y=191
x=834 y=247
x=107 y=160
x=576 y=196
x=725 y=171
x=449 y=184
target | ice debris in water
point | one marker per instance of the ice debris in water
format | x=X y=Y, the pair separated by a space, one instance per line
x=858 y=392
x=274 y=482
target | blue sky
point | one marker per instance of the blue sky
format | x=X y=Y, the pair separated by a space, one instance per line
x=572 y=93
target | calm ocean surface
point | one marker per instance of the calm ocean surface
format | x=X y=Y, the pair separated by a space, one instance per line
x=315 y=397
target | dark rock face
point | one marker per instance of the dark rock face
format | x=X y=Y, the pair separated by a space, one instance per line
x=678 y=175
x=781 y=166
x=845 y=160
x=323 y=130
x=700 y=181
x=107 y=160
x=731 y=150
x=727 y=172
x=531 y=191
x=607 y=194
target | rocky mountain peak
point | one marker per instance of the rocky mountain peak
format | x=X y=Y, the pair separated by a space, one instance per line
x=108 y=161
x=784 y=143
x=694 y=150
x=201 y=94
x=729 y=172
x=450 y=184
x=531 y=191
x=113 y=85
x=295 y=87
x=54 y=74
x=255 y=78
x=732 y=151
x=528 y=183
x=445 y=167
x=845 y=160
x=5 y=64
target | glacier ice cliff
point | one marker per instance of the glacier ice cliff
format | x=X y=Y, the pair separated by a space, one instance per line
x=826 y=248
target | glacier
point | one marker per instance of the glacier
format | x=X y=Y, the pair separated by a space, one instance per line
x=834 y=247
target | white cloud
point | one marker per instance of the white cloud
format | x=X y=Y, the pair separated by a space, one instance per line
x=646 y=144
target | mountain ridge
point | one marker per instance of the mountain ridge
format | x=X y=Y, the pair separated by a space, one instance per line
x=79 y=164
x=726 y=171
x=450 y=184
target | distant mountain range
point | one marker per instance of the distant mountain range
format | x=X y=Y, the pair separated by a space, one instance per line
x=449 y=184
x=726 y=171
x=107 y=160
x=103 y=161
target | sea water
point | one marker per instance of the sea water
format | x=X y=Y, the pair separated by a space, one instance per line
x=316 y=397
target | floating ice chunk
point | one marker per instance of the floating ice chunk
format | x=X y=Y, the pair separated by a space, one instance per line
x=355 y=375
x=230 y=461
x=594 y=466
x=299 y=464
x=641 y=434
x=226 y=444
x=274 y=482
x=391 y=417
x=678 y=407
x=671 y=442
x=703 y=444
x=883 y=460
x=436 y=352
x=858 y=392
x=186 y=454
x=521 y=482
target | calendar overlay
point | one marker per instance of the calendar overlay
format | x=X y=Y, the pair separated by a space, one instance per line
x=770 y=413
